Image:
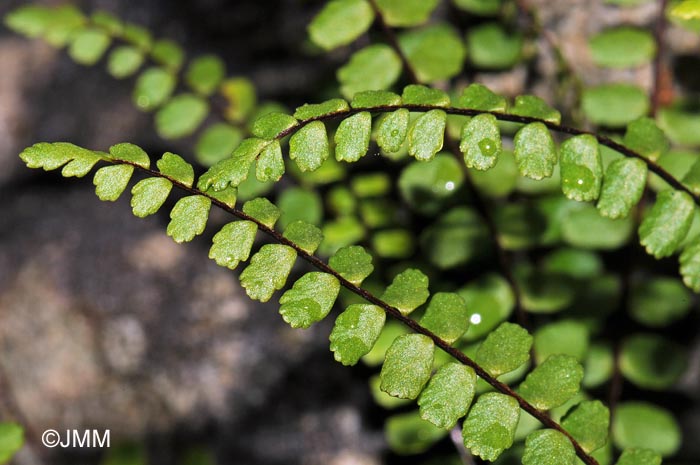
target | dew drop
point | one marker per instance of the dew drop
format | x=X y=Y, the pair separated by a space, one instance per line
x=395 y=133
x=488 y=147
x=475 y=319
x=579 y=177
x=449 y=185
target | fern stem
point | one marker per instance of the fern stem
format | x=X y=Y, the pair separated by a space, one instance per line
x=319 y=264
x=603 y=140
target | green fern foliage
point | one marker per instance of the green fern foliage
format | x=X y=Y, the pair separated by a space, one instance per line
x=490 y=427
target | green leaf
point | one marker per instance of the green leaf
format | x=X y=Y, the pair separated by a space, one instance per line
x=309 y=300
x=263 y=211
x=427 y=187
x=298 y=203
x=408 y=291
x=108 y=22
x=270 y=166
x=355 y=332
x=553 y=382
x=447 y=316
x=614 y=104
x=568 y=337
x=268 y=271
x=501 y=179
x=481 y=142
x=88 y=46
x=309 y=146
x=579 y=264
x=340 y=22
x=375 y=98
x=241 y=99
x=217 y=143
x=188 y=218
x=376 y=67
x=131 y=153
x=490 y=46
x=137 y=35
x=598 y=366
x=403 y=13
x=426 y=135
x=414 y=94
x=11 y=440
x=307 y=236
x=205 y=73
x=124 y=61
x=588 y=423
x=644 y=425
x=690 y=266
x=448 y=395
x=535 y=153
x=534 y=107
x=270 y=125
x=232 y=244
x=490 y=301
x=584 y=227
x=639 y=457
x=581 y=168
x=340 y=233
x=681 y=124
x=50 y=156
x=392 y=243
x=622 y=47
x=174 y=166
x=667 y=223
x=455 y=238
x=659 y=301
x=149 y=195
x=167 y=53
x=232 y=171
x=181 y=116
x=392 y=130
x=153 y=88
x=352 y=137
x=548 y=447
x=29 y=20
x=408 y=433
x=652 y=362
x=371 y=185
x=644 y=137
x=479 y=97
x=62 y=24
x=407 y=366
x=228 y=196
x=692 y=178
x=480 y=7
x=110 y=181
x=504 y=350
x=623 y=186
x=434 y=52
x=317 y=110
x=352 y=263
x=490 y=426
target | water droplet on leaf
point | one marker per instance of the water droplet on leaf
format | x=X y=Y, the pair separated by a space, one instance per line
x=578 y=177
x=488 y=147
